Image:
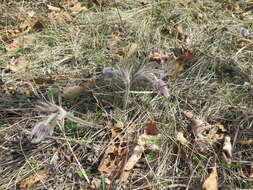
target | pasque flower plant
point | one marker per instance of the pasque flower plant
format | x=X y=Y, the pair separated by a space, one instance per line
x=143 y=74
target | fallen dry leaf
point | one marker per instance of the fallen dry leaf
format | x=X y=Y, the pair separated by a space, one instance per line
x=131 y=49
x=18 y=64
x=134 y=158
x=151 y=128
x=33 y=179
x=211 y=183
x=115 y=44
x=95 y=183
x=68 y=3
x=117 y=161
x=75 y=91
x=19 y=43
x=186 y=58
x=116 y=153
x=227 y=150
x=52 y=8
x=251 y=171
x=59 y=18
x=205 y=133
x=247 y=141
x=181 y=35
x=77 y=9
x=180 y=137
x=245 y=43
x=38 y=25
x=24 y=28
x=158 y=55
x=181 y=62
x=150 y=133
x=214 y=84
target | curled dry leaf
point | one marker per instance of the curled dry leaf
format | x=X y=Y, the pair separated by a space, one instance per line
x=214 y=84
x=59 y=18
x=18 y=64
x=95 y=183
x=131 y=49
x=251 y=171
x=116 y=153
x=244 y=43
x=227 y=150
x=198 y=124
x=77 y=8
x=158 y=55
x=117 y=161
x=33 y=179
x=211 y=183
x=181 y=62
x=134 y=158
x=19 y=43
x=151 y=129
x=150 y=133
x=205 y=133
x=115 y=44
x=180 y=137
x=75 y=91
x=22 y=29
x=247 y=141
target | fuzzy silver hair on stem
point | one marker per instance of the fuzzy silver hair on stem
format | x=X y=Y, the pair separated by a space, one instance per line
x=45 y=128
x=144 y=73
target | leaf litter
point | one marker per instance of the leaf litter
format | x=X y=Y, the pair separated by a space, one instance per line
x=211 y=183
x=19 y=43
x=33 y=179
x=19 y=64
x=205 y=134
x=125 y=149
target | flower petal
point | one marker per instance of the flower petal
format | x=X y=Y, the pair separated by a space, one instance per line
x=41 y=131
x=110 y=73
x=161 y=86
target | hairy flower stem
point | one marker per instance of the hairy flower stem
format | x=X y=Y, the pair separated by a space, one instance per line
x=126 y=96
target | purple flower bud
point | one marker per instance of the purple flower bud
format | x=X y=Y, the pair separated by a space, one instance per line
x=41 y=131
x=110 y=73
x=161 y=86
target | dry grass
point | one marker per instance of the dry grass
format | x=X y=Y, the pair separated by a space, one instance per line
x=75 y=51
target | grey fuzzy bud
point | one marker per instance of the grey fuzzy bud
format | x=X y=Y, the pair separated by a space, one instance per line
x=110 y=73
